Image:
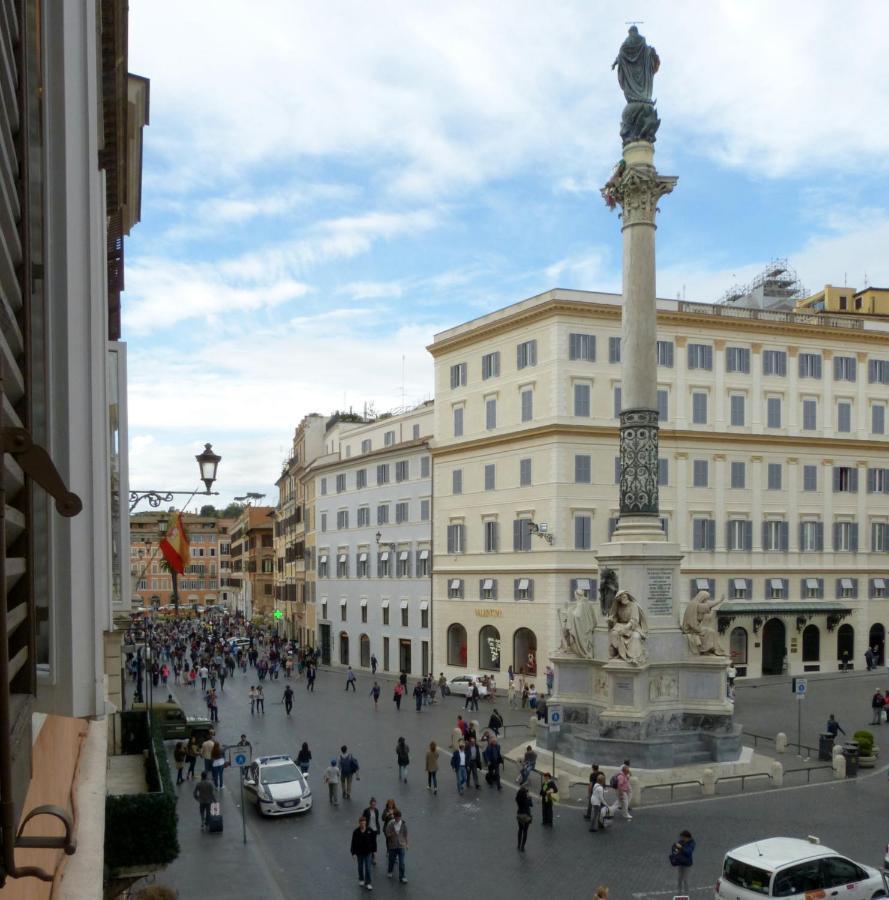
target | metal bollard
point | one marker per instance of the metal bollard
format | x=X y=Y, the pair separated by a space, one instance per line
x=776 y=770
x=635 y=791
x=780 y=742
x=532 y=725
x=708 y=779
x=839 y=766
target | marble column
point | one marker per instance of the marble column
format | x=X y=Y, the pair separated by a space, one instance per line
x=640 y=189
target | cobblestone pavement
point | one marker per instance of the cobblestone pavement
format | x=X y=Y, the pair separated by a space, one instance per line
x=467 y=844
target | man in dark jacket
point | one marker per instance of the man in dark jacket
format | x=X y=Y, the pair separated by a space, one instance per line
x=363 y=846
x=205 y=794
x=494 y=758
x=473 y=762
x=681 y=857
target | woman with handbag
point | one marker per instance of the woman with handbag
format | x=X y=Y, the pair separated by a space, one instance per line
x=549 y=794
x=523 y=804
x=403 y=759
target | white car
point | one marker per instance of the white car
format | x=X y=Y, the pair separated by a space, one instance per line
x=794 y=869
x=458 y=684
x=277 y=786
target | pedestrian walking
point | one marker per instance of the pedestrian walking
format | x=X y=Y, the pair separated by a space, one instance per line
x=681 y=857
x=623 y=791
x=204 y=673
x=362 y=850
x=288 y=699
x=402 y=756
x=388 y=812
x=832 y=726
x=494 y=759
x=374 y=826
x=597 y=801
x=192 y=752
x=397 y=694
x=303 y=758
x=432 y=768
x=396 y=844
x=523 y=804
x=495 y=722
x=260 y=699
x=311 y=674
x=207 y=754
x=373 y=664
x=205 y=795
x=473 y=762
x=179 y=757
x=458 y=764
x=332 y=780
x=876 y=704
x=350 y=680
x=594 y=777
x=549 y=794
x=418 y=695
x=348 y=770
x=218 y=764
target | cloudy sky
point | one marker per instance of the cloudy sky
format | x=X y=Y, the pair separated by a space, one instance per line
x=326 y=185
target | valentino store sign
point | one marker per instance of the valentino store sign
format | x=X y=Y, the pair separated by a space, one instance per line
x=488 y=612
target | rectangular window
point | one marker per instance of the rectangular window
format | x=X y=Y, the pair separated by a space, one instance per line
x=810 y=365
x=740 y=588
x=582 y=346
x=364 y=612
x=342 y=518
x=737 y=402
x=700 y=473
x=423 y=563
x=581 y=400
x=324 y=521
x=385 y=639
x=458 y=421
x=342 y=566
x=491 y=537
x=582 y=468
x=847 y=588
x=457 y=481
x=774 y=476
x=700 y=356
x=490 y=477
x=810 y=478
x=458 y=375
x=487 y=588
x=402 y=470
x=361 y=569
x=361 y=479
x=845 y=537
x=403 y=564
x=699 y=408
x=490 y=365
x=388 y=438
x=366 y=445
x=384 y=564
x=456 y=538
x=878 y=587
x=404 y=615
x=583 y=532
x=363 y=516
x=879 y=537
x=662 y=405
x=425 y=465
x=811 y=537
x=737 y=359
x=618 y=403
x=773 y=412
x=774 y=535
x=323 y=486
x=845 y=479
x=322 y=566
x=490 y=413
x=526 y=354
x=614 y=349
x=776 y=588
x=521 y=535
x=383 y=474
x=402 y=511
x=523 y=588
x=527 y=405
x=455 y=589
x=383 y=514
x=524 y=472
x=665 y=354
x=878 y=419
x=424 y=510
x=878 y=371
x=810 y=415
x=703 y=534
x=739 y=475
x=415 y=432
x=340 y=483
x=844 y=417
x=343 y=611
x=878 y=481
x=845 y=368
x=774 y=362
x=663 y=471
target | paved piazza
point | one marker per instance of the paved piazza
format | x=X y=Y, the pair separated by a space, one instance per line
x=467 y=845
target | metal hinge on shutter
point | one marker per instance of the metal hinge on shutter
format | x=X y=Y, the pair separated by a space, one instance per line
x=35 y=462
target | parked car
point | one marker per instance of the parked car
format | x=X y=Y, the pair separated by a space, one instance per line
x=794 y=869
x=277 y=786
x=175 y=724
x=457 y=685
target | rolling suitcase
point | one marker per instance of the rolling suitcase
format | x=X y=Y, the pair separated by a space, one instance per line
x=214 y=820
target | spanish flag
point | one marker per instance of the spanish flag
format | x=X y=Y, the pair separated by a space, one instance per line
x=175 y=546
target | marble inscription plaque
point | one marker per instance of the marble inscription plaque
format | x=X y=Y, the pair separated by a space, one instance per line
x=660 y=590
x=623 y=691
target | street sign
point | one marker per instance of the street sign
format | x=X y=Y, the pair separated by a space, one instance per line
x=239 y=756
x=278 y=614
x=554 y=713
x=800 y=686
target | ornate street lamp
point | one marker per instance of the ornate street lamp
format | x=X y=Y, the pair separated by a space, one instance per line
x=208 y=463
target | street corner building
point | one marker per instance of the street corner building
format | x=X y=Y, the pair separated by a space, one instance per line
x=71 y=126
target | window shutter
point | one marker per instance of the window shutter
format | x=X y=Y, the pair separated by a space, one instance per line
x=819 y=536
x=836 y=535
x=618 y=403
x=698 y=534
x=517 y=533
x=450 y=538
x=669 y=345
x=836 y=478
x=728 y=536
x=612 y=525
x=711 y=534
x=871 y=480
x=765 y=536
x=783 y=536
x=748 y=535
x=853 y=545
x=481 y=588
x=853 y=480
x=708 y=357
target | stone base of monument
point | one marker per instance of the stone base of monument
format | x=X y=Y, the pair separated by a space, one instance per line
x=668 y=708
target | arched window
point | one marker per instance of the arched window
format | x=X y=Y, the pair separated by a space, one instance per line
x=457 y=645
x=877 y=643
x=524 y=651
x=489 y=648
x=364 y=642
x=811 y=644
x=738 y=646
x=846 y=645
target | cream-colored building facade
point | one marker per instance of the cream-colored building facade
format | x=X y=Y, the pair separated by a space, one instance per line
x=774 y=476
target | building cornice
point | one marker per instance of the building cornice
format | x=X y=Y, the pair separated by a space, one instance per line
x=373 y=456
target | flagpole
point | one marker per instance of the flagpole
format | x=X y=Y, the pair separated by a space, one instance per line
x=174 y=573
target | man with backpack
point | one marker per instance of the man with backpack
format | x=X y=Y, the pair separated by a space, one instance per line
x=348 y=767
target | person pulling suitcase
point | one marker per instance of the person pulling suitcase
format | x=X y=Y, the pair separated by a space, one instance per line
x=205 y=794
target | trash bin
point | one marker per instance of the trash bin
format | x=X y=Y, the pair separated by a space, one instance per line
x=850 y=751
x=825 y=746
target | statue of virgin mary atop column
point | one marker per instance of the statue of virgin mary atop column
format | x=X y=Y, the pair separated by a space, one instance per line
x=636 y=66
